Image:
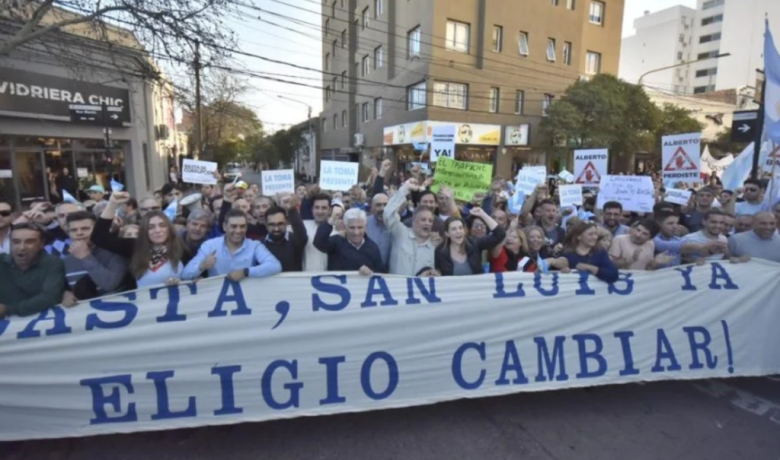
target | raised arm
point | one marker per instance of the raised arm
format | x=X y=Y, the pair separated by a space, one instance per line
x=496 y=234
x=391 y=216
x=102 y=235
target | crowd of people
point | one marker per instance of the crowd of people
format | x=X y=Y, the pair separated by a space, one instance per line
x=71 y=252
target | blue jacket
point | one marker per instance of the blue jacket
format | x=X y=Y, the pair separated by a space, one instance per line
x=343 y=256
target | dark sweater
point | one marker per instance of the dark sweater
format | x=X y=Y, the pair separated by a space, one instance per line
x=289 y=251
x=474 y=248
x=608 y=271
x=343 y=256
x=34 y=290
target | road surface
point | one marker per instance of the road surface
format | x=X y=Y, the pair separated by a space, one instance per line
x=708 y=419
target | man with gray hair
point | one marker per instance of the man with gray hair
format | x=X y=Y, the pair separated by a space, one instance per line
x=352 y=250
x=412 y=248
x=760 y=243
x=199 y=225
x=377 y=229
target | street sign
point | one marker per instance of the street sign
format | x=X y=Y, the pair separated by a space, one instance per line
x=93 y=115
x=744 y=126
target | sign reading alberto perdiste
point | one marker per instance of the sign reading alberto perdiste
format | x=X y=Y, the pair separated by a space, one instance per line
x=590 y=166
x=681 y=157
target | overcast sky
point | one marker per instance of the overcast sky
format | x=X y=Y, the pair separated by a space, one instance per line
x=304 y=49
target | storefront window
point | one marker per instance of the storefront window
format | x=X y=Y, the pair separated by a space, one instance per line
x=32 y=177
x=7 y=192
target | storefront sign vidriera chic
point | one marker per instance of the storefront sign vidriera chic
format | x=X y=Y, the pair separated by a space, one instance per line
x=34 y=95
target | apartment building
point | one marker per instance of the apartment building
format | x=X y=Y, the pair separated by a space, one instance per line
x=393 y=69
x=715 y=27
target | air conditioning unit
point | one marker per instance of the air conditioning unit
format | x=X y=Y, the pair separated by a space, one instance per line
x=360 y=140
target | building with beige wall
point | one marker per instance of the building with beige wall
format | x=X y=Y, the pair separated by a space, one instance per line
x=395 y=68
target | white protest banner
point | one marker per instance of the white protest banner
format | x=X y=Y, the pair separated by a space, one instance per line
x=219 y=352
x=529 y=177
x=677 y=196
x=590 y=165
x=635 y=193
x=338 y=176
x=199 y=172
x=442 y=142
x=570 y=195
x=6 y=174
x=681 y=157
x=278 y=181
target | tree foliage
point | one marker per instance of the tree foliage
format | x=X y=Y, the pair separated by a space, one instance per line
x=606 y=112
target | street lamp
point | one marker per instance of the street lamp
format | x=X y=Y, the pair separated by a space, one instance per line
x=717 y=56
x=311 y=136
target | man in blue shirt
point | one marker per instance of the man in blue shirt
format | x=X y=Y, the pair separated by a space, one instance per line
x=667 y=240
x=233 y=255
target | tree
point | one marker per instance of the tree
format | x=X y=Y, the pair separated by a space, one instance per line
x=278 y=149
x=606 y=112
x=166 y=28
x=722 y=145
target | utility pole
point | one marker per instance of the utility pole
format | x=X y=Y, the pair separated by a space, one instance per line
x=106 y=130
x=198 y=123
x=761 y=88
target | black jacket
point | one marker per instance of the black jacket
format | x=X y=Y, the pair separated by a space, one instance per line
x=343 y=256
x=474 y=248
x=290 y=250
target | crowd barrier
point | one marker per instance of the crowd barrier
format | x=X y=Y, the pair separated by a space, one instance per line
x=219 y=352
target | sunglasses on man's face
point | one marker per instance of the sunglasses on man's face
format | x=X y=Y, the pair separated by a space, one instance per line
x=5 y=213
x=751 y=189
x=153 y=208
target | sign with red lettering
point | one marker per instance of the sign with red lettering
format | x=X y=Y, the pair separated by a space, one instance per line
x=682 y=157
x=590 y=166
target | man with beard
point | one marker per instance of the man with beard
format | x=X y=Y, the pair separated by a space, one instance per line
x=412 y=248
x=636 y=250
x=286 y=247
x=753 y=202
x=613 y=211
x=31 y=281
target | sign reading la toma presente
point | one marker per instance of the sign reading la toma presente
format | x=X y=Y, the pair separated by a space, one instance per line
x=219 y=352
x=35 y=95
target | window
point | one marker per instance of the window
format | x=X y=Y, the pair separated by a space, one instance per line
x=707 y=55
x=570 y=4
x=548 y=98
x=522 y=43
x=333 y=9
x=551 y=49
x=344 y=38
x=366 y=114
x=712 y=4
x=593 y=63
x=335 y=121
x=416 y=96
x=703 y=89
x=378 y=7
x=712 y=20
x=519 y=101
x=498 y=38
x=378 y=108
x=365 y=18
x=413 y=43
x=596 y=13
x=327 y=93
x=450 y=95
x=342 y=3
x=335 y=84
x=327 y=61
x=343 y=118
x=366 y=65
x=706 y=72
x=343 y=79
x=333 y=47
x=554 y=2
x=458 y=36
x=495 y=96
x=709 y=38
x=327 y=26
x=682 y=38
x=567 y=53
x=379 y=57
x=679 y=56
x=324 y=124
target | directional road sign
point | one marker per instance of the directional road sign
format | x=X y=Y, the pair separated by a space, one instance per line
x=744 y=126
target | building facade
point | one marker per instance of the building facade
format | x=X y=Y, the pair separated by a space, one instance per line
x=394 y=69
x=48 y=126
x=717 y=27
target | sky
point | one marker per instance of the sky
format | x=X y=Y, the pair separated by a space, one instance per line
x=304 y=49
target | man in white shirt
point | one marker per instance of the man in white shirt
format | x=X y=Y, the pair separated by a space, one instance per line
x=412 y=248
x=752 y=203
x=313 y=259
x=713 y=224
x=6 y=218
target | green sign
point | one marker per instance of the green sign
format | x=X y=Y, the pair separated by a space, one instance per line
x=463 y=177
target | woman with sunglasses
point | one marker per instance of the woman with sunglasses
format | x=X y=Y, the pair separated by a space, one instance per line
x=157 y=256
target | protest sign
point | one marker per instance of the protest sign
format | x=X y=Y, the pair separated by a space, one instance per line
x=220 y=352
x=590 y=165
x=6 y=174
x=570 y=195
x=442 y=142
x=278 y=181
x=529 y=177
x=681 y=157
x=82 y=173
x=677 y=196
x=463 y=177
x=199 y=172
x=338 y=176
x=635 y=193
x=566 y=176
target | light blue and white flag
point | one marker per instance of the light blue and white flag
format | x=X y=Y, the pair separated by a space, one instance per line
x=68 y=198
x=172 y=209
x=738 y=171
x=542 y=264
x=116 y=186
x=515 y=203
x=772 y=76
